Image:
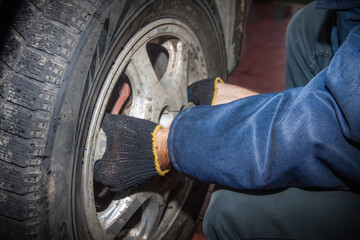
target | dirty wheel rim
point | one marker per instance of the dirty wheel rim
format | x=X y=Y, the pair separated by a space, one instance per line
x=159 y=61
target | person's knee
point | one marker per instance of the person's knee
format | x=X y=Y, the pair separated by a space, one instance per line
x=224 y=218
x=216 y=217
x=297 y=32
x=308 y=45
x=294 y=28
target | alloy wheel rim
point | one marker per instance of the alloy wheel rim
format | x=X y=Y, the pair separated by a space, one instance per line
x=158 y=94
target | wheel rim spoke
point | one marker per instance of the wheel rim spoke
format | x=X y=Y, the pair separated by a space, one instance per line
x=149 y=97
x=175 y=78
x=150 y=215
x=142 y=64
x=114 y=218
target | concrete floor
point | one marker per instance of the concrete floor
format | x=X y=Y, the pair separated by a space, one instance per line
x=262 y=64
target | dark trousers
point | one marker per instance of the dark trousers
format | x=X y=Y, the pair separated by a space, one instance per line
x=291 y=213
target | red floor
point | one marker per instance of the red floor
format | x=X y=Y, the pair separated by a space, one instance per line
x=262 y=64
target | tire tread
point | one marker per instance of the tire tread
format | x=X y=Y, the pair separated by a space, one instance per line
x=34 y=58
x=38 y=46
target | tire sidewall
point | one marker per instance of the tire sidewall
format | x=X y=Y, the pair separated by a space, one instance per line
x=86 y=75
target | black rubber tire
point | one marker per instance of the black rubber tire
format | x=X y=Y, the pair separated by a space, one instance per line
x=54 y=59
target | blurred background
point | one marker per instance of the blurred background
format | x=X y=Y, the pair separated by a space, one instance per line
x=262 y=64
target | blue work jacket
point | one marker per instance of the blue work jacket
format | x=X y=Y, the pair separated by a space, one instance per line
x=337 y=4
x=303 y=137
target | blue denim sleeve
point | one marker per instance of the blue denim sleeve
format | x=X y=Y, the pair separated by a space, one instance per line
x=303 y=137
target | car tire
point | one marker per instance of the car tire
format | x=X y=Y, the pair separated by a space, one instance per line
x=55 y=60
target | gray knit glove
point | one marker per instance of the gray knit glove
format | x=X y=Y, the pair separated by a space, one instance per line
x=130 y=158
x=204 y=92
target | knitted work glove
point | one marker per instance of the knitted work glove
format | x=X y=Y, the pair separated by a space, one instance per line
x=130 y=158
x=204 y=92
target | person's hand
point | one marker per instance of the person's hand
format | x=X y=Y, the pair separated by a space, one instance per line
x=215 y=92
x=134 y=148
x=137 y=150
x=228 y=92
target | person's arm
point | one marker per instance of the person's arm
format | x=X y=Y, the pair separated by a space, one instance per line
x=305 y=137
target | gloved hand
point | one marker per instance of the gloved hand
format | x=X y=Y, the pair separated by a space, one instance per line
x=204 y=92
x=130 y=158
